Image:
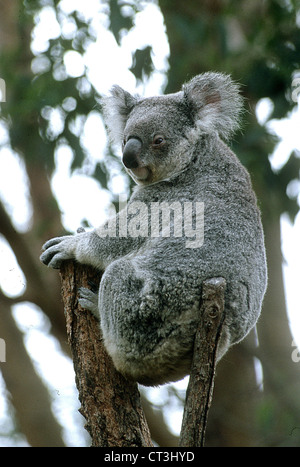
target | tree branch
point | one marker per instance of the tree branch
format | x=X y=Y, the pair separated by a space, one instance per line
x=110 y=403
x=200 y=388
x=42 y=286
x=29 y=396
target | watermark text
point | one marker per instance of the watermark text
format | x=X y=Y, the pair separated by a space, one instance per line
x=296 y=89
x=295 y=353
x=2 y=90
x=2 y=351
x=157 y=219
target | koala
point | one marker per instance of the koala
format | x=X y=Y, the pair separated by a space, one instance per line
x=156 y=259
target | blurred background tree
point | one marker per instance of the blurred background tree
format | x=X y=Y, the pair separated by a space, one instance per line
x=46 y=110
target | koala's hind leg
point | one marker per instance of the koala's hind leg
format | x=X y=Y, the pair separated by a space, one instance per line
x=89 y=300
x=129 y=314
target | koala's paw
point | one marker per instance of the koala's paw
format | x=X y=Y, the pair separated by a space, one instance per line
x=89 y=301
x=57 y=250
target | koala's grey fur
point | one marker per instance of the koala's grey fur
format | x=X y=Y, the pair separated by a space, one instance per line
x=150 y=291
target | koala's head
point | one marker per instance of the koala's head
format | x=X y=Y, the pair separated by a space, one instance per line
x=158 y=133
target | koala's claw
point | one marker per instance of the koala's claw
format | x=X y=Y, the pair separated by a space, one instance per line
x=48 y=259
x=89 y=301
x=56 y=251
x=94 y=287
x=51 y=242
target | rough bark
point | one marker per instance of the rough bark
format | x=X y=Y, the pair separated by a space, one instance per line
x=110 y=403
x=200 y=388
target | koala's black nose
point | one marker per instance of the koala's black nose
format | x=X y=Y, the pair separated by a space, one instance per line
x=131 y=153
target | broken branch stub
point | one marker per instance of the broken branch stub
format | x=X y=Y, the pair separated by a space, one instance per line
x=200 y=388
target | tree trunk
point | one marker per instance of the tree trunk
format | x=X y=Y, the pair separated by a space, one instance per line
x=110 y=403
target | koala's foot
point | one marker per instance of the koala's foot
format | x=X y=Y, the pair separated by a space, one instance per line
x=89 y=300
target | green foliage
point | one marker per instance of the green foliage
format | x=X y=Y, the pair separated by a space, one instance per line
x=33 y=97
x=118 y=20
x=258 y=43
x=142 y=63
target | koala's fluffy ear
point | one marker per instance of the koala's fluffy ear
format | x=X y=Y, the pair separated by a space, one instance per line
x=116 y=109
x=215 y=102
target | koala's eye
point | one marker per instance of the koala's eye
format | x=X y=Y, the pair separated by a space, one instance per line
x=158 y=141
